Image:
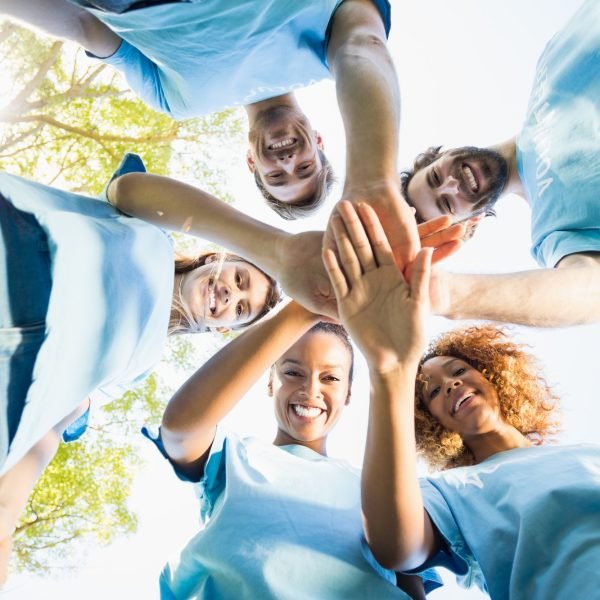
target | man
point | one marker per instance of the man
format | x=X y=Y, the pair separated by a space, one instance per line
x=554 y=163
x=192 y=58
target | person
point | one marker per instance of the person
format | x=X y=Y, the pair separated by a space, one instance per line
x=89 y=296
x=554 y=164
x=192 y=58
x=281 y=519
x=520 y=518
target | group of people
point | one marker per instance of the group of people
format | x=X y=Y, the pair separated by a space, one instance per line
x=282 y=519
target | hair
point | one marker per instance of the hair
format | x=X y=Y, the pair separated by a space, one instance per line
x=424 y=159
x=527 y=402
x=298 y=210
x=181 y=321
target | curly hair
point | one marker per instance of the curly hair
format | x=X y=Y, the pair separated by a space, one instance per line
x=526 y=400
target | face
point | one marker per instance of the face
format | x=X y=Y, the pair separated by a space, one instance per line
x=283 y=149
x=230 y=296
x=310 y=386
x=458 y=183
x=459 y=397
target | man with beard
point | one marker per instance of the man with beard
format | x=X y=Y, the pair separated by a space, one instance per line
x=554 y=164
x=192 y=58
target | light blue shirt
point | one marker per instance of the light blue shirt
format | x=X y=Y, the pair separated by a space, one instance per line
x=106 y=326
x=278 y=523
x=558 y=149
x=193 y=58
x=525 y=523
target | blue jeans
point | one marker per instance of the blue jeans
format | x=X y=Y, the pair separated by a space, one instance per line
x=25 y=284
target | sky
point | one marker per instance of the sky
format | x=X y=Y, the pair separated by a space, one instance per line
x=465 y=69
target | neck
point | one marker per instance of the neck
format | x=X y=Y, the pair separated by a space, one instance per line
x=487 y=444
x=256 y=108
x=508 y=150
x=284 y=439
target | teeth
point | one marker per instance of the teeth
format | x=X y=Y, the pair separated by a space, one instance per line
x=212 y=301
x=307 y=411
x=470 y=177
x=283 y=144
x=458 y=404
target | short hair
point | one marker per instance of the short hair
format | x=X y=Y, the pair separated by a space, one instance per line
x=182 y=322
x=339 y=331
x=291 y=211
x=526 y=400
x=424 y=159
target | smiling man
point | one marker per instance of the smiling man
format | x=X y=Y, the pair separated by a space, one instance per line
x=193 y=58
x=554 y=164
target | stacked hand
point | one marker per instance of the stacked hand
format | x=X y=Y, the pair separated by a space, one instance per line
x=384 y=314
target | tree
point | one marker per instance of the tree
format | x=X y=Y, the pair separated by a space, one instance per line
x=67 y=121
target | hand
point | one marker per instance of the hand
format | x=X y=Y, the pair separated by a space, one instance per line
x=384 y=315
x=396 y=218
x=439 y=233
x=302 y=274
x=6 y=531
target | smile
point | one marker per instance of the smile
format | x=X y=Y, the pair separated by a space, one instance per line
x=283 y=144
x=470 y=178
x=307 y=412
x=462 y=401
x=212 y=300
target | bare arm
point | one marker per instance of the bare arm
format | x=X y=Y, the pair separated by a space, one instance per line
x=17 y=483
x=385 y=317
x=560 y=297
x=369 y=101
x=62 y=19
x=189 y=422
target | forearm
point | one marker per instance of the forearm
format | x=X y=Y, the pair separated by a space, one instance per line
x=369 y=101
x=543 y=298
x=177 y=206
x=395 y=521
x=202 y=402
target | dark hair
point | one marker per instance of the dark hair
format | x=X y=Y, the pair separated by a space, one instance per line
x=297 y=210
x=180 y=321
x=342 y=334
x=424 y=159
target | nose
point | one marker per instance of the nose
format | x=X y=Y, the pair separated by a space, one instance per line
x=224 y=294
x=452 y=384
x=312 y=388
x=450 y=185
x=287 y=162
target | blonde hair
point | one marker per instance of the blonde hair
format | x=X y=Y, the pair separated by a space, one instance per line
x=182 y=320
x=526 y=400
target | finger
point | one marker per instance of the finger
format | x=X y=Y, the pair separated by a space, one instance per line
x=442 y=236
x=445 y=250
x=421 y=274
x=378 y=240
x=434 y=225
x=348 y=259
x=358 y=236
x=336 y=275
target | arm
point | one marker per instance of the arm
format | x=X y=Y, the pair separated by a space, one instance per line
x=369 y=101
x=386 y=319
x=294 y=260
x=190 y=419
x=17 y=483
x=566 y=295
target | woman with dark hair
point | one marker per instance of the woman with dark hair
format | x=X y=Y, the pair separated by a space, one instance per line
x=520 y=519
x=88 y=296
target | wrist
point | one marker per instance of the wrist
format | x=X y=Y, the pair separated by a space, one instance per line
x=368 y=185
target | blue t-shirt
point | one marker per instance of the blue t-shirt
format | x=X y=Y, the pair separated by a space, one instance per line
x=110 y=302
x=193 y=58
x=558 y=149
x=278 y=523
x=523 y=524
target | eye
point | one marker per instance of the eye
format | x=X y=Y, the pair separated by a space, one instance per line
x=435 y=176
x=239 y=310
x=291 y=373
x=447 y=205
x=305 y=166
x=459 y=371
x=434 y=392
x=275 y=175
x=238 y=280
x=331 y=378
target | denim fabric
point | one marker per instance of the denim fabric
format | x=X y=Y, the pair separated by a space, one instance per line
x=25 y=284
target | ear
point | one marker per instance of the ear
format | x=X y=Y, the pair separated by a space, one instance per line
x=250 y=161
x=319 y=140
x=270 y=384
x=222 y=329
x=210 y=259
x=348 y=398
x=471 y=226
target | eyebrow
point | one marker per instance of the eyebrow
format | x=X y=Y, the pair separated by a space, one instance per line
x=444 y=365
x=322 y=367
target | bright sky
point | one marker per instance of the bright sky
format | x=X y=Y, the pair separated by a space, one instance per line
x=465 y=70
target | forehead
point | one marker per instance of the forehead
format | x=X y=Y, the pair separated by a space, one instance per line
x=439 y=364
x=319 y=349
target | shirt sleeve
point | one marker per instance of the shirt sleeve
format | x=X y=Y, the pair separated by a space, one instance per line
x=142 y=75
x=456 y=556
x=559 y=244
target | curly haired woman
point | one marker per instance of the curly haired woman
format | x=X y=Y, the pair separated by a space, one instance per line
x=521 y=519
